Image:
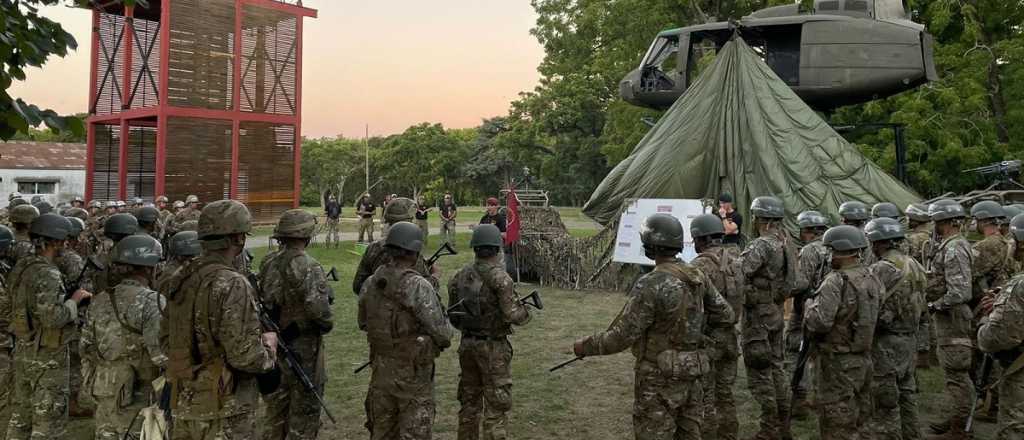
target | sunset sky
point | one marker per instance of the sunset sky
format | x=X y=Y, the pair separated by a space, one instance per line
x=389 y=64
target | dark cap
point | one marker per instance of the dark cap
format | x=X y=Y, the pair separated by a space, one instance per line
x=725 y=198
x=493 y=201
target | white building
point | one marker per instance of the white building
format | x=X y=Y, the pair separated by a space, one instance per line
x=55 y=171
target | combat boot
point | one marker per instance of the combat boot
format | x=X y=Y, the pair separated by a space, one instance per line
x=939 y=427
x=956 y=432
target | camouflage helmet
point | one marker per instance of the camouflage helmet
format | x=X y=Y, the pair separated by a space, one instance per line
x=17 y=202
x=120 y=224
x=845 y=238
x=295 y=223
x=24 y=214
x=706 y=225
x=987 y=209
x=811 y=219
x=1017 y=227
x=485 y=235
x=147 y=214
x=138 y=250
x=945 y=209
x=95 y=204
x=78 y=213
x=405 y=235
x=662 y=230
x=918 y=213
x=853 y=211
x=6 y=238
x=178 y=204
x=767 y=207
x=191 y=199
x=399 y=209
x=161 y=199
x=13 y=195
x=111 y=204
x=51 y=226
x=43 y=206
x=185 y=244
x=137 y=201
x=78 y=199
x=36 y=199
x=121 y=204
x=77 y=226
x=1011 y=212
x=223 y=217
x=883 y=228
x=886 y=210
x=191 y=225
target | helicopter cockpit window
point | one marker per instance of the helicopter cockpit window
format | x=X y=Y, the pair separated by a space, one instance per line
x=660 y=67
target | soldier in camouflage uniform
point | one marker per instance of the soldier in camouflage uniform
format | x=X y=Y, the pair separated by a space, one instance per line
x=894 y=382
x=72 y=268
x=95 y=207
x=813 y=266
x=22 y=217
x=42 y=321
x=663 y=323
x=720 y=262
x=6 y=339
x=296 y=293
x=117 y=227
x=406 y=327
x=919 y=245
x=842 y=315
x=79 y=242
x=949 y=291
x=856 y=214
x=5 y=212
x=989 y=267
x=485 y=354
x=212 y=336
x=769 y=269
x=400 y=209
x=1013 y=264
x=149 y=222
x=1002 y=336
x=182 y=249
x=122 y=339
x=191 y=212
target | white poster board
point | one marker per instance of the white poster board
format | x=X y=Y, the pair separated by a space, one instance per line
x=629 y=249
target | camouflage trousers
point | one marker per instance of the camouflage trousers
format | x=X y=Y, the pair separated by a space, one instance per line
x=720 y=420
x=366 y=228
x=956 y=368
x=485 y=388
x=114 y=417
x=237 y=427
x=6 y=384
x=844 y=396
x=448 y=231
x=291 y=411
x=666 y=409
x=39 y=409
x=894 y=387
x=333 y=234
x=766 y=378
x=400 y=402
x=425 y=228
x=1011 y=407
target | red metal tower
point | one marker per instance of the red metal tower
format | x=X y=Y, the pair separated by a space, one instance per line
x=197 y=97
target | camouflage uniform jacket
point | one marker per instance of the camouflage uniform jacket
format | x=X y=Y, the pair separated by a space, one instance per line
x=6 y=338
x=39 y=312
x=845 y=310
x=123 y=330
x=765 y=268
x=185 y=215
x=71 y=265
x=376 y=256
x=814 y=265
x=1013 y=265
x=665 y=311
x=989 y=265
x=490 y=303
x=903 y=302
x=1002 y=331
x=295 y=286
x=721 y=265
x=949 y=289
x=919 y=243
x=212 y=336
x=165 y=270
x=22 y=247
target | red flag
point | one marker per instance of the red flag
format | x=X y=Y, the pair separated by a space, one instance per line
x=512 y=218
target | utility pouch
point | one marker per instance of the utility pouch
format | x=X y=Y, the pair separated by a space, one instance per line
x=683 y=365
x=114 y=380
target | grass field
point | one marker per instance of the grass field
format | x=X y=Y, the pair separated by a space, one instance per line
x=591 y=399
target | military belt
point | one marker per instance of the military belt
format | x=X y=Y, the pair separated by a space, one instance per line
x=481 y=337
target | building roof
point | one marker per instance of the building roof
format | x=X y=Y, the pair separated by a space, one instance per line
x=25 y=155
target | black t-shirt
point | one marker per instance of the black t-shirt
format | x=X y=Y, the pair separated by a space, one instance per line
x=737 y=237
x=421 y=212
x=448 y=210
x=367 y=207
x=333 y=210
x=496 y=220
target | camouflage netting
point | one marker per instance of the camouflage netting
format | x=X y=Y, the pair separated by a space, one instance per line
x=549 y=255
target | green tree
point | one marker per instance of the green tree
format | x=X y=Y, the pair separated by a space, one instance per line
x=328 y=164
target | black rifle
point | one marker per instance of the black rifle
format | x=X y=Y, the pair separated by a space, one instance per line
x=533 y=299
x=289 y=355
x=981 y=389
x=445 y=250
x=451 y=311
x=71 y=287
x=565 y=364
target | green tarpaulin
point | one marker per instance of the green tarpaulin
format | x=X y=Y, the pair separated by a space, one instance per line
x=739 y=128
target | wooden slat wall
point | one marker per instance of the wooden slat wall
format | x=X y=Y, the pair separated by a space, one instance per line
x=105 y=177
x=142 y=163
x=201 y=53
x=147 y=91
x=108 y=86
x=268 y=52
x=198 y=159
x=266 y=174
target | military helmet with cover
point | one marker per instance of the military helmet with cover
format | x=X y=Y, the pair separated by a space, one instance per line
x=24 y=214
x=918 y=213
x=50 y=226
x=77 y=227
x=121 y=204
x=147 y=214
x=987 y=209
x=768 y=207
x=485 y=235
x=178 y=204
x=191 y=199
x=811 y=220
x=17 y=202
x=844 y=238
x=191 y=225
x=13 y=195
x=120 y=224
x=36 y=199
x=886 y=210
x=663 y=231
x=185 y=244
x=884 y=228
x=223 y=217
x=1017 y=227
x=405 y=235
x=43 y=206
x=295 y=223
x=161 y=199
x=946 y=209
x=854 y=211
x=138 y=250
x=705 y=225
x=111 y=204
x=1011 y=212
x=6 y=238
x=399 y=209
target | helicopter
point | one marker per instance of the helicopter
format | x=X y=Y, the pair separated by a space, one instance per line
x=840 y=53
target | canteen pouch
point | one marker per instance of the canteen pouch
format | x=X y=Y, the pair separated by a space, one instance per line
x=756 y=350
x=683 y=365
x=114 y=381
